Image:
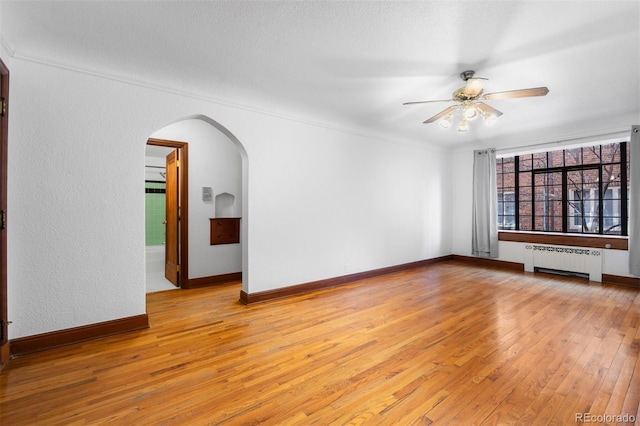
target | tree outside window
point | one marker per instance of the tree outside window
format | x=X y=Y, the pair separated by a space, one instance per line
x=577 y=190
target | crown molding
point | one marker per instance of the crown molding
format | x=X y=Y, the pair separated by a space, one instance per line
x=223 y=102
x=7 y=48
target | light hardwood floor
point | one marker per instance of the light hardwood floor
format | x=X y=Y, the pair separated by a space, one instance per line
x=446 y=344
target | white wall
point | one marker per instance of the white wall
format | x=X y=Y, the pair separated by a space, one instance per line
x=615 y=262
x=214 y=161
x=4 y=55
x=316 y=202
x=151 y=170
x=328 y=203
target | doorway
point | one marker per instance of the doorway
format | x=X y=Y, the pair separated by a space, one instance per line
x=217 y=165
x=167 y=229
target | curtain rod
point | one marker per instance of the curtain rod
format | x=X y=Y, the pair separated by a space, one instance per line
x=577 y=140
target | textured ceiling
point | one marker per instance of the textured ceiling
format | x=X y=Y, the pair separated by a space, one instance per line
x=351 y=64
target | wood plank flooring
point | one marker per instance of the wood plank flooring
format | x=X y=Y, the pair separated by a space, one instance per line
x=447 y=344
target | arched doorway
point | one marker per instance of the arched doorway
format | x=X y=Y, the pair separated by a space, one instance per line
x=217 y=172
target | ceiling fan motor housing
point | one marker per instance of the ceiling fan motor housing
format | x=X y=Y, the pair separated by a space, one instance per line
x=460 y=95
x=466 y=75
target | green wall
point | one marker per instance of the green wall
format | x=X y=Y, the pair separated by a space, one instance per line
x=154 y=199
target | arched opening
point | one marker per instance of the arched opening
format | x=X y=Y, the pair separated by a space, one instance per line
x=217 y=172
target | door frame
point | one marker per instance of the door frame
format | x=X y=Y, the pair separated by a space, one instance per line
x=4 y=142
x=183 y=190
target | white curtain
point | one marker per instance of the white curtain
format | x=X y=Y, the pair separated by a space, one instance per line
x=485 y=204
x=634 y=202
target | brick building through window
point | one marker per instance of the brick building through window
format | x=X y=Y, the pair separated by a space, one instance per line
x=577 y=190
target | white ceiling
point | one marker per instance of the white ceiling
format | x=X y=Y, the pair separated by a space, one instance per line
x=351 y=64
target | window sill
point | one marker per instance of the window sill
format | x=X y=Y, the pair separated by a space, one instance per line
x=593 y=241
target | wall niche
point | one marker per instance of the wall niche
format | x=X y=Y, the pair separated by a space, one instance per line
x=225 y=205
x=224 y=228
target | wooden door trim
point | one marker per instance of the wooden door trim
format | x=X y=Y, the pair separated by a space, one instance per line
x=183 y=276
x=4 y=142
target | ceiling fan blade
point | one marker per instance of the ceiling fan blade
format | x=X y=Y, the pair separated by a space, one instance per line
x=512 y=94
x=441 y=114
x=427 y=102
x=486 y=109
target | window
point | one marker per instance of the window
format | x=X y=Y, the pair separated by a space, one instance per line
x=578 y=190
x=507 y=210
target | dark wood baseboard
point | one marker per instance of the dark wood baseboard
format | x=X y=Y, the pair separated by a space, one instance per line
x=294 y=290
x=514 y=266
x=620 y=280
x=214 y=280
x=493 y=263
x=55 y=339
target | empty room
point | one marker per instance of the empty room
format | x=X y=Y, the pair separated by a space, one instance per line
x=319 y=212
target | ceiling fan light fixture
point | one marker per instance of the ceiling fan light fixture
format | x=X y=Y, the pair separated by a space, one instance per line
x=470 y=112
x=463 y=125
x=446 y=121
x=489 y=118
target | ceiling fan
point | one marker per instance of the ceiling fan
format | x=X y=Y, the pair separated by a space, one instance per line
x=469 y=102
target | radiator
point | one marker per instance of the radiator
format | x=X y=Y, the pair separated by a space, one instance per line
x=579 y=260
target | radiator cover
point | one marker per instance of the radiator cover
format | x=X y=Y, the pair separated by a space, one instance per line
x=564 y=258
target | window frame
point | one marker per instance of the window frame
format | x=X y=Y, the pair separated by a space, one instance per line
x=533 y=165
